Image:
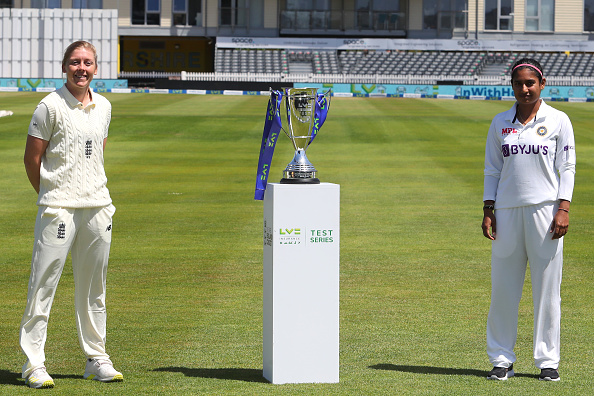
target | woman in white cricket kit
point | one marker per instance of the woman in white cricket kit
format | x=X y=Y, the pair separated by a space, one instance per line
x=529 y=177
x=64 y=163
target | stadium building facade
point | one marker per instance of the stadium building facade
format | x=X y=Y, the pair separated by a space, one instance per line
x=183 y=35
x=504 y=19
x=478 y=19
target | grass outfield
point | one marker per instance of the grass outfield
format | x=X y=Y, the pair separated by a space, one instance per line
x=185 y=277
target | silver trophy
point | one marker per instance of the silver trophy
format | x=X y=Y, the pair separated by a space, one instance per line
x=300 y=115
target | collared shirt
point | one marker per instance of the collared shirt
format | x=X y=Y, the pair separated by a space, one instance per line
x=529 y=164
x=72 y=173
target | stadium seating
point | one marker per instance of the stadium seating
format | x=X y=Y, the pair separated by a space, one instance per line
x=229 y=60
x=411 y=63
x=565 y=64
x=369 y=62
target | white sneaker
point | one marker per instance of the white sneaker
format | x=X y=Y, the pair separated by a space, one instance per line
x=102 y=370
x=39 y=378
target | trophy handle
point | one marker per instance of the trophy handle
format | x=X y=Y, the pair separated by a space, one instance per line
x=328 y=96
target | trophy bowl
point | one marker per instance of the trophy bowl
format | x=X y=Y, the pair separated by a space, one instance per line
x=300 y=106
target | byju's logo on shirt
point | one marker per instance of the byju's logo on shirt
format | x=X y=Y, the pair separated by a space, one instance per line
x=514 y=149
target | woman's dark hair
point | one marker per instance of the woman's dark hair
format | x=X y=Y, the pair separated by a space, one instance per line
x=528 y=63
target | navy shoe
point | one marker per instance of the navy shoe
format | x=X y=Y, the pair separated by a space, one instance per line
x=501 y=373
x=549 y=374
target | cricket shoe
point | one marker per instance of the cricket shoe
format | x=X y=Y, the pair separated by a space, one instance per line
x=549 y=374
x=39 y=378
x=102 y=370
x=501 y=373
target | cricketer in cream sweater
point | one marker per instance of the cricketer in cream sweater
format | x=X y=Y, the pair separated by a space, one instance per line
x=72 y=173
x=64 y=163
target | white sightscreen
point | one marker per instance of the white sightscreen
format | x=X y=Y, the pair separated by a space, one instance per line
x=32 y=41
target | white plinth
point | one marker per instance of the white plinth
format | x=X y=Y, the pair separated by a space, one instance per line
x=301 y=283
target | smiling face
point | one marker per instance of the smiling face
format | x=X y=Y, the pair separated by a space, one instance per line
x=80 y=67
x=526 y=85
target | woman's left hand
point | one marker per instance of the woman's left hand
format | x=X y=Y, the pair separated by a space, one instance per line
x=560 y=224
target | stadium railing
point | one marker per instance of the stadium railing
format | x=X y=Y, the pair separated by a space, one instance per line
x=326 y=78
x=353 y=78
x=149 y=74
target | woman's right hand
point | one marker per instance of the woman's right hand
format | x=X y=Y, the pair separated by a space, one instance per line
x=489 y=224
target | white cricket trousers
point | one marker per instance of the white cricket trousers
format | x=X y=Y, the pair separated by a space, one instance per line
x=523 y=236
x=87 y=234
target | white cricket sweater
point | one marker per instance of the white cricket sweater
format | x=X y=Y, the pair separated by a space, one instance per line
x=72 y=173
x=531 y=164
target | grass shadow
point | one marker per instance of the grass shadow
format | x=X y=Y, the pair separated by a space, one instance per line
x=439 y=370
x=14 y=378
x=237 y=374
x=10 y=378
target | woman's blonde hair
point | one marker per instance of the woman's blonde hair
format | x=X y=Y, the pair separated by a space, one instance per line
x=78 y=44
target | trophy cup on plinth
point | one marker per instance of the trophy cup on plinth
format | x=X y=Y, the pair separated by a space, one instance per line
x=300 y=107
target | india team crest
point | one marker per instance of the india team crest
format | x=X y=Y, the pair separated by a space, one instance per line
x=541 y=131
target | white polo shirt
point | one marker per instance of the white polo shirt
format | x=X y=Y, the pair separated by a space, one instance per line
x=531 y=164
x=72 y=173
